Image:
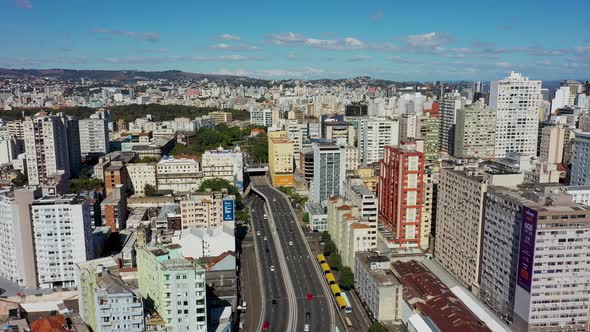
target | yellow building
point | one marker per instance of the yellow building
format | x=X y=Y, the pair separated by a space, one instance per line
x=280 y=159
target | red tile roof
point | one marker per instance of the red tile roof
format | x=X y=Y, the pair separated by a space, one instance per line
x=427 y=293
x=49 y=324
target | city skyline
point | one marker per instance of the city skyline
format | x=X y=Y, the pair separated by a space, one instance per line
x=404 y=41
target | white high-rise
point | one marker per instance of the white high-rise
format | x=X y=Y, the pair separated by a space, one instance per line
x=46 y=146
x=94 y=135
x=516 y=100
x=452 y=102
x=63 y=237
x=376 y=134
x=562 y=98
x=329 y=172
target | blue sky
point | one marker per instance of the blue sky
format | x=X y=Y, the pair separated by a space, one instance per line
x=399 y=40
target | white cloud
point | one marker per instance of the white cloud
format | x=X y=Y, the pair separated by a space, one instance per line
x=227 y=36
x=431 y=39
x=145 y=36
x=234 y=47
x=344 y=44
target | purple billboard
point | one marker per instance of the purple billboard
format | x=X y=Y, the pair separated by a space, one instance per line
x=526 y=255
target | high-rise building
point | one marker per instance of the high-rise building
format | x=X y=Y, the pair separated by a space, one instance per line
x=280 y=159
x=562 y=99
x=221 y=117
x=63 y=237
x=140 y=175
x=401 y=181
x=408 y=127
x=459 y=219
x=429 y=132
x=261 y=117
x=94 y=135
x=552 y=141
x=452 y=102
x=180 y=175
x=475 y=132
x=516 y=100
x=329 y=172
x=551 y=291
x=174 y=286
x=114 y=209
x=46 y=146
x=580 y=174
x=356 y=110
x=376 y=134
x=17 y=257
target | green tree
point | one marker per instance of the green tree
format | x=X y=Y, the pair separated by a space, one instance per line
x=376 y=327
x=243 y=216
x=147 y=159
x=20 y=180
x=80 y=185
x=306 y=218
x=346 y=278
x=335 y=261
x=217 y=184
x=150 y=190
x=325 y=236
x=329 y=247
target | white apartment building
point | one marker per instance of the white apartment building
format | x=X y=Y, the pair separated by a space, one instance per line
x=17 y=260
x=562 y=99
x=475 y=132
x=581 y=194
x=178 y=175
x=378 y=287
x=516 y=100
x=205 y=209
x=367 y=203
x=140 y=175
x=553 y=268
x=451 y=103
x=199 y=242
x=376 y=134
x=261 y=117
x=580 y=174
x=408 y=127
x=63 y=237
x=350 y=233
x=329 y=172
x=46 y=147
x=224 y=164
x=318 y=218
x=94 y=135
x=459 y=219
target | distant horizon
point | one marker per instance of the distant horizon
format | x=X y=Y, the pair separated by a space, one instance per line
x=295 y=78
x=419 y=41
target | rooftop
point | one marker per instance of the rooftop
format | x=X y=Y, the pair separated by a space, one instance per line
x=314 y=208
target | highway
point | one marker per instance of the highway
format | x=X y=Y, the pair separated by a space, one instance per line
x=306 y=278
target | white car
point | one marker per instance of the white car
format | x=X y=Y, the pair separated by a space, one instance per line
x=306 y=328
x=265 y=238
x=290 y=243
x=258 y=233
x=272 y=268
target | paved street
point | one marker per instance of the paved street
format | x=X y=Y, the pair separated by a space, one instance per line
x=318 y=312
x=249 y=279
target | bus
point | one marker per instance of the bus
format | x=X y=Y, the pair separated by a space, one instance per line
x=321 y=259
x=330 y=278
x=341 y=301
x=348 y=307
x=326 y=268
x=335 y=289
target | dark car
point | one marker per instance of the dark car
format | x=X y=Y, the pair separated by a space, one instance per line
x=307 y=315
x=274 y=303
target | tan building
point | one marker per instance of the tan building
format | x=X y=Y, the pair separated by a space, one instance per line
x=348 y=230
x=459 y=219
x=475 y=132
x=280 y=159
x=181 y=175
x=220 y=117
x=552 y=141
x=202 y=209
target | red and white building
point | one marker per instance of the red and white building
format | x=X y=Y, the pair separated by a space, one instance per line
x=401 y=185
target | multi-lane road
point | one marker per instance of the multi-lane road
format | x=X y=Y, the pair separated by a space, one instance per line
x=275 y=304
x=308 y=299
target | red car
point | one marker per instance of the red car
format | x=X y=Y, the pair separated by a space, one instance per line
x=265 y=326
x=310 y=296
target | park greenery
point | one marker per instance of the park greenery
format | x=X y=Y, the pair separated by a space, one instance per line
x=20 y=180
x=376 y=327
x=132 y=112
x=85 y=184
x=150 y=190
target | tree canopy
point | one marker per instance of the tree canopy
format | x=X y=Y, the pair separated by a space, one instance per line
x=376 y=327
x=346 y=278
